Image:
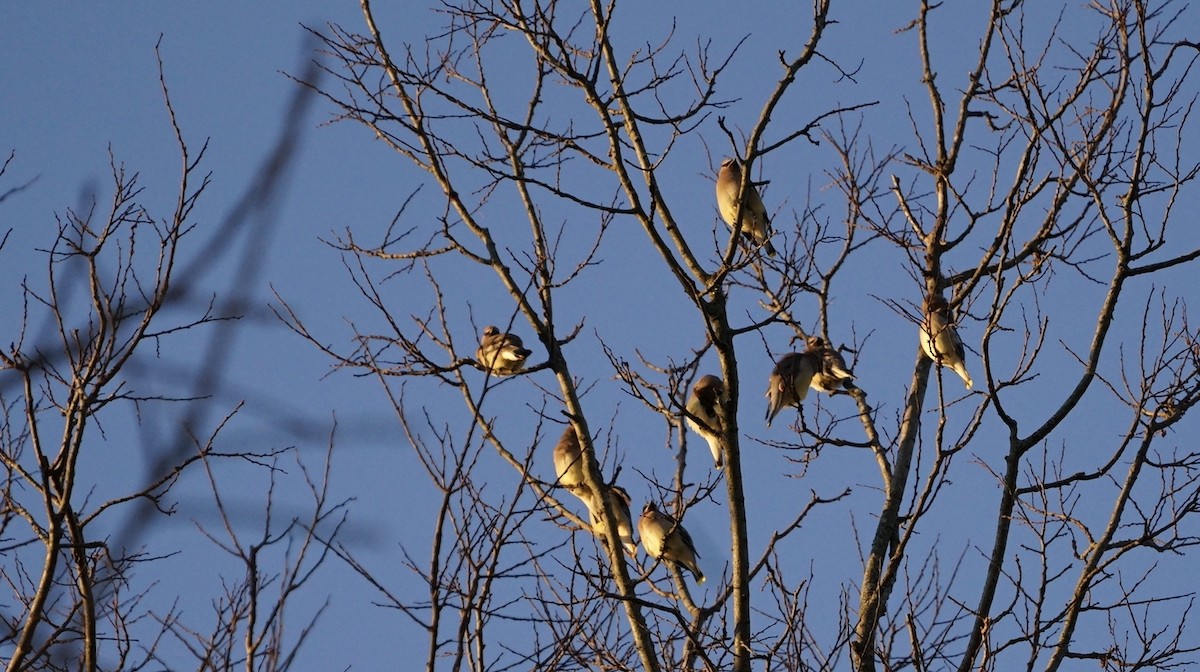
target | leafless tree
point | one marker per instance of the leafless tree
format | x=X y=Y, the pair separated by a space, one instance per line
x=81 y=374
x=1033 y=195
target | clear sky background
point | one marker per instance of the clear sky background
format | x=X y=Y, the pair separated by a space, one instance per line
x=81 y=80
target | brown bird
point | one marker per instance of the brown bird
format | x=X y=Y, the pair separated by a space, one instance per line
x=789 y=382
x=706 y=394
x=502 y=354
x=940 y=340
x=832 y=375
x=568 y=464
x=755 y=223
x=665 y=539
x=619 y=500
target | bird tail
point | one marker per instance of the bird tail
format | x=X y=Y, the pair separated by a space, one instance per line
x=630 y=547
x=961 y=370
x=714 y=446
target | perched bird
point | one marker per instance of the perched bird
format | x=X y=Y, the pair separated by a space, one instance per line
x=755 y=223
x=568 y=464
x=940 y=341
x=832 y=374
x=707 y=393
x=665 y=539
x=789 y=381
x=619 y=500
x=502 y=354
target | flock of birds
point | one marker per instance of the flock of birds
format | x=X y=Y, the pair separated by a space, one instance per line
x=819 y=367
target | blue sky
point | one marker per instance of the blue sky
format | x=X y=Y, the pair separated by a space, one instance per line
x=80 y=80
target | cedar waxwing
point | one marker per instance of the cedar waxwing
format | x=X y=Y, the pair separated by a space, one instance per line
x=789 y=381
x=940 y=341
x=832 y=374
x=665 y=539
x=503 y=354
x=619 y=500
x=568 y=464
x=755 y=223
x=706 y=394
